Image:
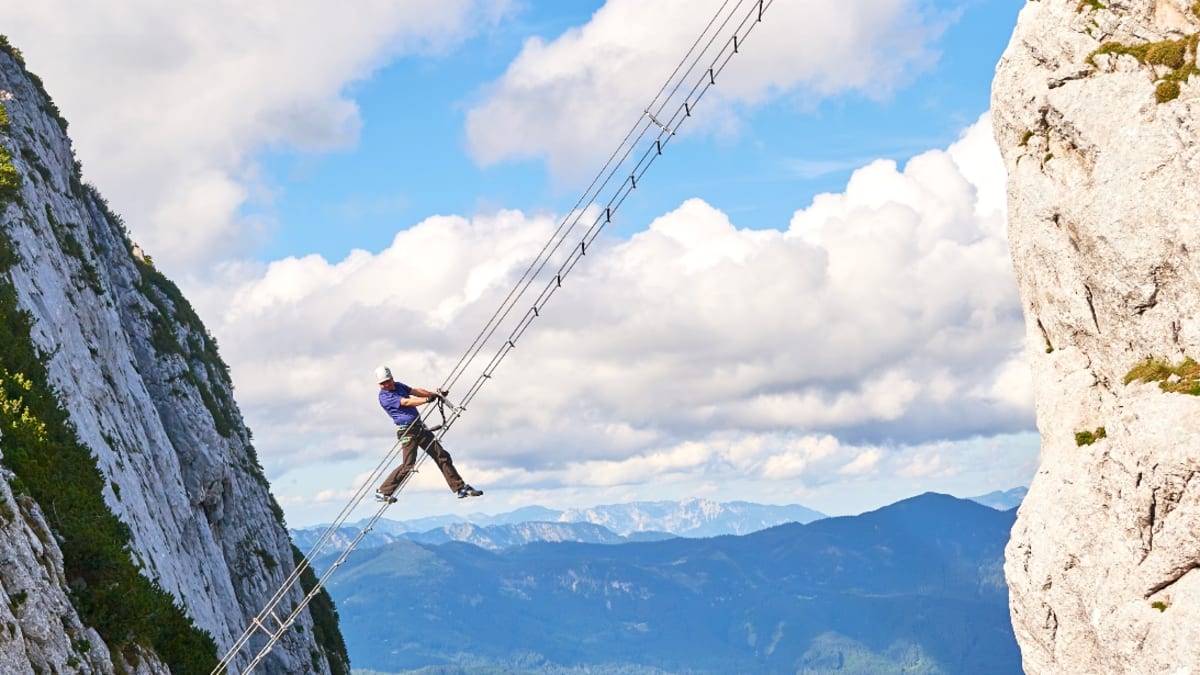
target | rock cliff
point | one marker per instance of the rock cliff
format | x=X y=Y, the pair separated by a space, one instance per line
x=1096 y=108
x=101 y=356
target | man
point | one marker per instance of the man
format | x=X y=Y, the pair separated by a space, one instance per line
x=400 y=402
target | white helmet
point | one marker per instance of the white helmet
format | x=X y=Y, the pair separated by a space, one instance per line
x=383 y=374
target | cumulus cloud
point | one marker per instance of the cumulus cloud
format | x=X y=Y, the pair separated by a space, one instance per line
x=170 y=101
x=880 y=317
x=865 y=462
x=571 y=100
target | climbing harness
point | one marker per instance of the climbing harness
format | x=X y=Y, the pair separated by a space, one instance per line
x=650 y=134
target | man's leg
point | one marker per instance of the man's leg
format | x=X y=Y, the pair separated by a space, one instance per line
x=408 y=441
x=433 y=447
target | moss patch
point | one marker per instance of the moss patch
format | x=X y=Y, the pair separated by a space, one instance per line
x=1183 y=378
x=1177 y=56
x=1083 y=438
x=1167 y=90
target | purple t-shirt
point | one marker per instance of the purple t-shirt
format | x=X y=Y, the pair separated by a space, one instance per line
x=390 y=400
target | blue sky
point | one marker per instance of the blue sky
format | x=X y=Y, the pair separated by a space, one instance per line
x=410 y=161
x=807 y=300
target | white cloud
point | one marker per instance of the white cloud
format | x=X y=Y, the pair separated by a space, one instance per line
x=928 y=462
x=864 y=463
x=796 y=458
x=885 y=315
x=571 y=100
x=1012 y=384
x=170 y=101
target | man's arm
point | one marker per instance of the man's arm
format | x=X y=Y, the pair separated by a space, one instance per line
x=418 y=396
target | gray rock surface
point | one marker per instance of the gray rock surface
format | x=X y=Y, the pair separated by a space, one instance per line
x=41 y=630
x=148 y=395
x=1104 y=209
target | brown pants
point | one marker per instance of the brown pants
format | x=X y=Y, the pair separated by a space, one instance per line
x=411 y=437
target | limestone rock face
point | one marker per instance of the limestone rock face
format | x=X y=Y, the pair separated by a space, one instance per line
x=148 y=395
x=39 y=626
x=1104 y=227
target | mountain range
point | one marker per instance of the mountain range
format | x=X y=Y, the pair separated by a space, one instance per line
x=1003 y=500
x=916 y=587
x=607 y=524
x=687 y=518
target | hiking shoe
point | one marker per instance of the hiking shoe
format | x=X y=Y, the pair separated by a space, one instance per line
x=468 y=491
x=380 y=497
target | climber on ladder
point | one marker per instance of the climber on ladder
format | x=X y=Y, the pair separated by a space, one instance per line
x=400 y=402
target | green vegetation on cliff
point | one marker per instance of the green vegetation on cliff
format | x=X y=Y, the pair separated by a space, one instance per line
x=326 y=631
x=1176 y=57
x=44 y=101
x=57 y=471
x=50 y=465
x=10 y=182
x=1085 y=437
x=1180 y=379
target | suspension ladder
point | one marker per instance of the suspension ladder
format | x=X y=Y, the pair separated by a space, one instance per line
x=643 y=144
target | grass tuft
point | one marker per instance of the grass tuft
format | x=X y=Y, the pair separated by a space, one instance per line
x=1085 y=437
x=1181 y=379
x=1150 y=370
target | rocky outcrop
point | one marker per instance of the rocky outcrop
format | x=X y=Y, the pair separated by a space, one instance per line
x=1096 y=108
x=39 y=625
x=148 y=396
